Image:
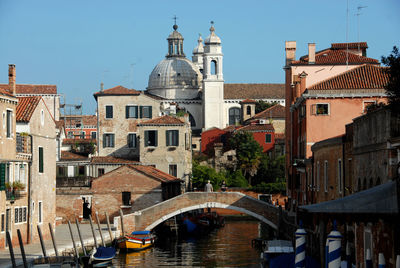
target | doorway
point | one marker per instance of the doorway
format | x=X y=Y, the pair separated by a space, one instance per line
x=87 y=207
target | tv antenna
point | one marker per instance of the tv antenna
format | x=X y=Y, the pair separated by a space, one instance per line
x=359 y=8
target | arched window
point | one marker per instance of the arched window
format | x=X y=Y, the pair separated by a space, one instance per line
x=191 y=120
x=234 y=116
x=248 y=110
x=213 y=67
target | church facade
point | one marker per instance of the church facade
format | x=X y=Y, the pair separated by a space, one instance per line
x=198 y=86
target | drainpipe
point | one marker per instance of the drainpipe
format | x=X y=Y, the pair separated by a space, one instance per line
x=30 y=216
x=343 y=166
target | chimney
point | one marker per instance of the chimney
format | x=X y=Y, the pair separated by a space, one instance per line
x=101 y=86
x=302 y=76
x=11 y=79
x=290 y=49
x=311 y=53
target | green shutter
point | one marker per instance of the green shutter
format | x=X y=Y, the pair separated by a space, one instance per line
x=136 y=112
x=41 y=164
x=2 y=176
x=150 y=112
x=167 y=137
x=177 y=138
x=141 y=112
x=146 y=138
x=155 y=138
x=126 y=111
x=104 y=140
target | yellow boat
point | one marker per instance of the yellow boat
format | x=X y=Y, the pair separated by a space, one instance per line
x=136 y=241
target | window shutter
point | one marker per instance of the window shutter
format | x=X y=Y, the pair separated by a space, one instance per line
x=146 y=138
x=150 y=112
x=104 y=140
x=112 y=140
x=2 y=176
x=141 y=112
x=136 y=112
x=126 y=111
x=155 y=138
x=314 y=109
x=176 y=137
x=41 y=160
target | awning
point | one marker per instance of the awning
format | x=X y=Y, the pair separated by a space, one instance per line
x=381 y=199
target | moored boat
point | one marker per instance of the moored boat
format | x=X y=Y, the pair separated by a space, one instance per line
x=101 y=256
x=138 y=240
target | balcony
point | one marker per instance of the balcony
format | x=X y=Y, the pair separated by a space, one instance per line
x=12 y=194
x=78 y=181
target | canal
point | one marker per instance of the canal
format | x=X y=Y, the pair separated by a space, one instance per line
x=229 y=246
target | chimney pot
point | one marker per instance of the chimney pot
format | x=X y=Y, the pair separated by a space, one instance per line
x=12 y=78
x=311 y=53
x=290 y=49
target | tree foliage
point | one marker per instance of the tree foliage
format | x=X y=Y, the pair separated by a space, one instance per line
x=393 y=87
x=270 y=170
x=262 y=105
x=201 y=174
x=248 y=153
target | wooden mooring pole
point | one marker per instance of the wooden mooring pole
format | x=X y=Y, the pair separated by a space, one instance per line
x=80 y=237
x=122 y=222
x=98 y=225
x=108 y=227
x=21 y=245
x=41 y=241
x=53 y=239
x=73 y=241
x=94 y=235
x=10 y=248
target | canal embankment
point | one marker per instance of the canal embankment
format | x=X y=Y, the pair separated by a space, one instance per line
x=63 y=242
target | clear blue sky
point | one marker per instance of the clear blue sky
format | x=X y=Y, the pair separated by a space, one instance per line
x=76 y=44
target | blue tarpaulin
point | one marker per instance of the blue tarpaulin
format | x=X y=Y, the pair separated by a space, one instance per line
x=104 y=253
x=287 y=261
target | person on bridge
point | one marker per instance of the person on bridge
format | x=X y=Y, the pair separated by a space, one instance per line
x=208 y=188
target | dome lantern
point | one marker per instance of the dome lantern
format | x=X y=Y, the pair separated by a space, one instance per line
x=175 y=44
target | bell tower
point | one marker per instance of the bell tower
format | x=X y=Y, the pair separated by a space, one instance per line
x=213 y=82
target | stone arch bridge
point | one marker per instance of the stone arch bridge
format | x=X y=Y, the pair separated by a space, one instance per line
x=150 y=217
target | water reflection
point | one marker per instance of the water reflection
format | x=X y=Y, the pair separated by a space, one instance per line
x=229 y=246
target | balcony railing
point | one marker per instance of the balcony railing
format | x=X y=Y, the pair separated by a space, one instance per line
x=14 y=194
x=24 y=143
x=78 y=181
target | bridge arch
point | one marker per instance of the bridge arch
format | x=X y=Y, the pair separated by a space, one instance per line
x=150 y=217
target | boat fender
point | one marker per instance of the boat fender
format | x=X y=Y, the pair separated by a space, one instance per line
x=152 y=240
x=143 y=241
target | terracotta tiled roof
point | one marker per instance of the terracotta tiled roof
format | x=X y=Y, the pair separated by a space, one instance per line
x=155 y=173
x=87 y=120
x=254 y=91
x=231 y=128
x=163 y=120
x=111 y=160
x=118 y=90
x=334 y=56
x=65 y=155
x=363 y=77
x=276 y=111
x=5 y=91
x=248 y=101
x=25 y=108
x=32 y=89
x=354 y=45
x=256 y=128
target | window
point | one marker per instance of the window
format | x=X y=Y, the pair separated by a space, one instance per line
x=146 y=112
x=321 y=109
x=70 y=135
x=9 y=124
x=213 y=67
x=2 y=222
x=339 y=176
x=109 y=111
x=62 y=171
x=268 y=138
x=132 y=140
x=22 y=177
x=131 y=111
x=230 y=158
x=93 y=135
x=326 y=176
x=172 y=137
x=108 y=140
x=40 y=216
x=173 y=170
x=3 y=169
x=150 y=138
x=248 y=110
x=42 y=117
x=83 y=135
x=81 y=170
x=126 y=198
x=366 y=104
x=20 y=215
x=234 y=116
x=41 y=162
x=100 y=172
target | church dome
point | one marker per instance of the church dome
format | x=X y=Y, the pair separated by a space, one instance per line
x=175 y=78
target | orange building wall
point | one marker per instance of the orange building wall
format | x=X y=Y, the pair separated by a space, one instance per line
x=341 y=112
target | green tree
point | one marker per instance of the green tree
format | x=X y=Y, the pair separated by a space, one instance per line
x=262 y=105
x=201 y=174
x=235 y=179
x=393 y=86
x=248 y=153
x=270 y=170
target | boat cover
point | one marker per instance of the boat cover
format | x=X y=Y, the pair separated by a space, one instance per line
x=287 y=260
x=104 y=252
x=140 y=233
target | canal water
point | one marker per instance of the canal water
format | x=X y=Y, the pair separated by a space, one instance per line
x=229 y=246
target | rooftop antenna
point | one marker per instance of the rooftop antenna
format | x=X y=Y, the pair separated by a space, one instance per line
x=358 y=24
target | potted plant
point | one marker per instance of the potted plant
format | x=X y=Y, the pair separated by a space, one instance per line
x=18 y=186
